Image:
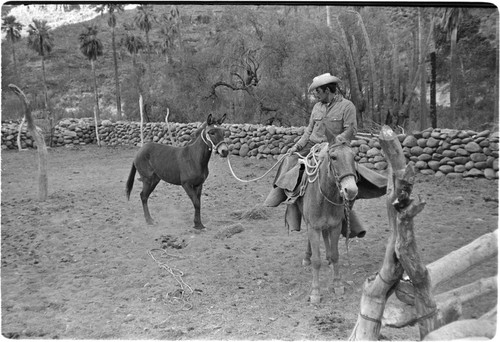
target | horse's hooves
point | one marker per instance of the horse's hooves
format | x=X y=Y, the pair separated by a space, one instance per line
x=306 y=262
x=150 y=222
x=200 y=227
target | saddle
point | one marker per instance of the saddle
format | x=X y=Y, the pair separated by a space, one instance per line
x=292 y=178
x=289 y=177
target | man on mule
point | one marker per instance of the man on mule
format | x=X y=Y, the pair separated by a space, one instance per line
x=332 y=118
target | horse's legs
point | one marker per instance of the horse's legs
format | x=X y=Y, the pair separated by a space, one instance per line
x=334 y=253
x=194 y=193
x=326 y=239
x=148 y=185
x=307 y=258
x=314 y=236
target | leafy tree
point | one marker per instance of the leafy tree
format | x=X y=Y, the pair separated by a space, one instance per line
x=91 y=47
x=134 y=45
x=12 y=30
x=169 y=31
x=144 y=21
x=40 y=40
x=112 y=9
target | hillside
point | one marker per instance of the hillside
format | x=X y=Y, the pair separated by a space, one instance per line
x=214 y=45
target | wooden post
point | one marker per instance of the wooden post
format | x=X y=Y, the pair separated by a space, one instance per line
x=168 y=128
x=378 y=288
x=19 y=147
x=407 y=253
x=40 y=144
x=96 y=127
x=450 y=265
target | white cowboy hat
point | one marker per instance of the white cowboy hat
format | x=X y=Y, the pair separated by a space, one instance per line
x=320 y=80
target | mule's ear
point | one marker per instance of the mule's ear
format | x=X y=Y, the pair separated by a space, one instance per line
x=209 y=119
x=221 y=120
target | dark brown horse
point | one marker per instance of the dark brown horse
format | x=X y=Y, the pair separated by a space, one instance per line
x=323 y=207
x=186 y=166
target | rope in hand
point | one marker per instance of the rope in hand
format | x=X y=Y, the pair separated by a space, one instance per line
x=182 y=293
x=255 y=179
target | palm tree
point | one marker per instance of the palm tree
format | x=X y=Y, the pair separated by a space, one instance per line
x=450 y=21
x=167 y=42
x=134 y=44
x=12 y=30
x=144 y=20
x=112 y=9
x=91 y=47
x=41 y=41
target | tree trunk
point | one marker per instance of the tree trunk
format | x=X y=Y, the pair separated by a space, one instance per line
x=423 y=72
x=142 y=118
x=97 y=113
x=453 y=78
x=40 y=144
x=46 y=92
x=433 y=107
x=372 y=98
x=354 y=83
x=14 y=60
x=117 y=83
x=414 y=77
x=328 y=22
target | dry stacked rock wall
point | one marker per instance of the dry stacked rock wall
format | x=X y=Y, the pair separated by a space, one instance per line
x=454 y=153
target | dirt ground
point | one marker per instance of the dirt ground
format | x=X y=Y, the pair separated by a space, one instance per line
x=85 y=265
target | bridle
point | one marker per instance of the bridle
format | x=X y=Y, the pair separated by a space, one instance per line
x=338 y=178
x=208 y=141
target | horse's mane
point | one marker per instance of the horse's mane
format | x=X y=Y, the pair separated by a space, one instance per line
x=197 y=133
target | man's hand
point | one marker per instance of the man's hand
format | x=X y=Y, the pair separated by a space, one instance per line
x=293 y=149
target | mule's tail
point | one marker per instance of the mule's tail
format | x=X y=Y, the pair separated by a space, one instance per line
x=130 y=180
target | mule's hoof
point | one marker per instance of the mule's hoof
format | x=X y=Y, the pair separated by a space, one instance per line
x=199 y=227
x=306 y=262
x=315 y=299
x=150 y=222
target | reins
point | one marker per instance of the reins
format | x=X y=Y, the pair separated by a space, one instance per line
x=255 y=179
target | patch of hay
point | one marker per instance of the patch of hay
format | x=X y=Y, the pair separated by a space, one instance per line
x=256 y=213
x=229 y=231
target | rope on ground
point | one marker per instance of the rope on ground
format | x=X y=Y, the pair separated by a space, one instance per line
x=181 y=295
x=255 y=179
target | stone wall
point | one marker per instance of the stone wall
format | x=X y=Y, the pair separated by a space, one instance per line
x=454 y=153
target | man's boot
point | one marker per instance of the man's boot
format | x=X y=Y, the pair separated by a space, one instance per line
x=275 y=197
x=293 y=218
x=355 y=225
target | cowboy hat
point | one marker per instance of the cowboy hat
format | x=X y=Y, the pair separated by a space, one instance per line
x=320 y=80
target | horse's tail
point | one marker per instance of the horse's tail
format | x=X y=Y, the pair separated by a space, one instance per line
x=130 y=181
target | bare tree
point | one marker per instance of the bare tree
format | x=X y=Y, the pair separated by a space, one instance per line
x=40 y=144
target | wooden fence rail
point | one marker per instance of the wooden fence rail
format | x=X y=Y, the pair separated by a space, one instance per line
x=404 y=274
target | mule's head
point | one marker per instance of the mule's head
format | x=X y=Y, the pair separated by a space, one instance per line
x=342 y=162
x=215 y=134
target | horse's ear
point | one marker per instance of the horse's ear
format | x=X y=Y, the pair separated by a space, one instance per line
x=221 y=120
x=209 y=119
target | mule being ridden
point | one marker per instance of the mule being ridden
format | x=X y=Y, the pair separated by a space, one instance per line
x=323 y=206
x=186 y=166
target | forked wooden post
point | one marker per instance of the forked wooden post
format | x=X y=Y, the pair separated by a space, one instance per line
x=401 y=252
x=40 y=144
